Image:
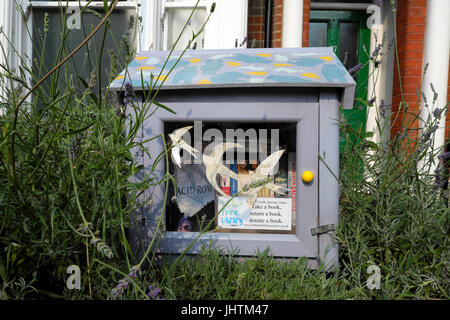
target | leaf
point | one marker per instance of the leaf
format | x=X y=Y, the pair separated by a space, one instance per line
x=3 y=272
x=105 y=5
x=164 y=107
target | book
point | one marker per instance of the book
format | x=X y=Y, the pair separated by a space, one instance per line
x=225 y=184
x=193 y=190
x=292 y=182
x=233 y=183
x=281 y=176
x=244 y=176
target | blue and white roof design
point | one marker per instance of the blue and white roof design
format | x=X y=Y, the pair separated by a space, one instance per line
x=279 y=67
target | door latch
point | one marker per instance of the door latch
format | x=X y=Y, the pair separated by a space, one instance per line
x=323 y=229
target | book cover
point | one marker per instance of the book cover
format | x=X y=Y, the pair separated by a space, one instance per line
x=224 y=184
x=281 y=176
x=193 y=190
x=292 y=180
x=233 y=183
x=244 y=176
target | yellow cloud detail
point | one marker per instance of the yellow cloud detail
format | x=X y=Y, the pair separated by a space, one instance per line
x=327 y=58
x=282 y=65
x=195 y=60
x=310 y=75
x=161 y=78
x=233 y=64
x=204 y=81
x=141 y=58
x=264 y=54
x=258 y=73
x=146 y=68
x=119 y=77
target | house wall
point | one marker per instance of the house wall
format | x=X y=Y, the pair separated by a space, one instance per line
x=447 y=120
x=306 y=15
x=411 y=19
x=277 y=23
x=410 y=44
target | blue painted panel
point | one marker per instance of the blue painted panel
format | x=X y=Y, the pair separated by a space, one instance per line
x=222 y=68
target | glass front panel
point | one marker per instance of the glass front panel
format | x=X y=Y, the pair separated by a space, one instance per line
x=348 y=43
x=318 y=34
x=232 y=177
x=177 y=18
x=114 y=47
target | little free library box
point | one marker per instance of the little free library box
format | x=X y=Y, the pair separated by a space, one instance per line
x=252 y=144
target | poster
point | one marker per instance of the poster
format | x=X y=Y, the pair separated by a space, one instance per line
x=193 y=190
x=267 y=214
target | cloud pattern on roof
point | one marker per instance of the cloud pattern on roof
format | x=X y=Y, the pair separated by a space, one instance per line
x=204 y=68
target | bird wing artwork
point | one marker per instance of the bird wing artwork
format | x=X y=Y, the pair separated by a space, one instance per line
x=260 y=174
x=178 y=143
x=214 y=167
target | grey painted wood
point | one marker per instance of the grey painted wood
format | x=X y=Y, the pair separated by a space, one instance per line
x=225 y=107
x=328 y=173
x=137 y=222
x=316 y=113
x=306 y=160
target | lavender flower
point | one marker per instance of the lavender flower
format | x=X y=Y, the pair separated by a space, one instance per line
x=379 y=3
x=439 y=179
x=355 y=68
x=153 y=292
x=135 y=272
x=437 y=113
x=371 y=101
x=102 y=247
x=376 y=52
x=432 y=130
x=382 y=109
x=75 y=146
x=85 y=228
x=118 y=290
x=123 y=284
x=391 y=42
x=129 y=92
x=243 y=41
x=444 y=156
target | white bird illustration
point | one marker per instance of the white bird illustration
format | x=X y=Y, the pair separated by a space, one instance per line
x=260 y=178
x=214 y=167
x=178 y=143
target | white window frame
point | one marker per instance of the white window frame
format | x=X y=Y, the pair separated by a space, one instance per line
x=227 y=23
x=17 y=30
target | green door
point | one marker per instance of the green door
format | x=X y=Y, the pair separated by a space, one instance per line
x=347 y=33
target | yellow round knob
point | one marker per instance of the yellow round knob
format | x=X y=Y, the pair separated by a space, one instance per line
x=307 y=176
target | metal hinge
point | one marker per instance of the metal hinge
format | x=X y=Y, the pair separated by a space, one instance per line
x=323 y=229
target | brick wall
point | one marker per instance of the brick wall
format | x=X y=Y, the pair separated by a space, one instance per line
x=411 y=19
x=256 y=23
x=306 y=11
x=277 y=23
x=447 y=120
x=410 y=41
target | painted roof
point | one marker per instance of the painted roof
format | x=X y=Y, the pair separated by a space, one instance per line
x=301 y=67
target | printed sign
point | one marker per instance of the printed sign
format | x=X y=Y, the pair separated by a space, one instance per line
x=267 y=214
